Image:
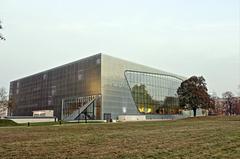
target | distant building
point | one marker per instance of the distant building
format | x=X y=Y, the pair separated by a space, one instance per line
x=222 y=108
x=97 y=87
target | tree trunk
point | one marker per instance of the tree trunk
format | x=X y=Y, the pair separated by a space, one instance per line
x=194 y=112
x=230 y=109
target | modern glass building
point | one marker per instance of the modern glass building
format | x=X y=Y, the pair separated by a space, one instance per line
x=97 y=87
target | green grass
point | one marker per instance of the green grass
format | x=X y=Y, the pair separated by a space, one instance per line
x=205 y=137
x=6 y=122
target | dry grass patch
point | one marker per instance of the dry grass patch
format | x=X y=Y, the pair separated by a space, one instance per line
x=208 y=137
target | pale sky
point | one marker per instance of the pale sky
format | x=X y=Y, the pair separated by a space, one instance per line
x=186 y=37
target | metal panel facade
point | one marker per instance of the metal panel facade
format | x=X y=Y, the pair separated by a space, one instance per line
x=45 y=90
x=117 y=97
x=96 y=75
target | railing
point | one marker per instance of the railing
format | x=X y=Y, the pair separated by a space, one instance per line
x=73 y=107
x=77 y=112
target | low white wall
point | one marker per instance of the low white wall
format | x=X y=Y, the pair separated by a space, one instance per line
x=33 y=120
x=43 y=113
x=199 y=112
x=131 y=117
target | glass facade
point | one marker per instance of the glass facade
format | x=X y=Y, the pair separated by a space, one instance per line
x=142 y=91
x=154 y=93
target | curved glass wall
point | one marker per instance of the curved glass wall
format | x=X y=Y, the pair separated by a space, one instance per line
x=154 y=93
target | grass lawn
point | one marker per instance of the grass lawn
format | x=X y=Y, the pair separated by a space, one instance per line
x=205 y=137
x=6 y=122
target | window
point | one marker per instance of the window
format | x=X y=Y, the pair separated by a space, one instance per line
x=44 y=76
x=49 y=101
x=80 y=75
x=154 y=93
x=53 y=91
x=98 y=61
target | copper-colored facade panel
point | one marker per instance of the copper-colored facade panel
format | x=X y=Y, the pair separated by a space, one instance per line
x=45 y=90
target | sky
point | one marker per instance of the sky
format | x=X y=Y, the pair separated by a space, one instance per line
x=186 y=37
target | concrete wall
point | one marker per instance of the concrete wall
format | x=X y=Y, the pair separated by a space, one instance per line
x=45 y=113
x=131 y=118
x=31 y=119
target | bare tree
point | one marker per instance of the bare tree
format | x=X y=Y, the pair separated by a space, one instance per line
x=1 y=36
x=11 y=106
x=239 y=89
x=3 y=94
x=3 y=100
x=229 y=103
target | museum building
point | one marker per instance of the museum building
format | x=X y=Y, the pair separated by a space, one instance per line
x=97 y=87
